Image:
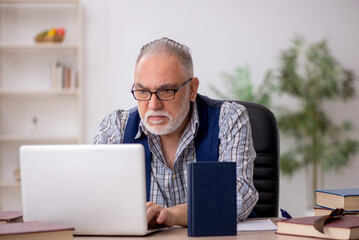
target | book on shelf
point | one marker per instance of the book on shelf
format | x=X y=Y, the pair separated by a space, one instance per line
x=10 y=216
x=321 y=211
x=35 y=231
x=348 y=199
x=345 y=227
x=63 y=77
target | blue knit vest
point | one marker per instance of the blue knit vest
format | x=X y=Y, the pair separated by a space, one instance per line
x=206 y=141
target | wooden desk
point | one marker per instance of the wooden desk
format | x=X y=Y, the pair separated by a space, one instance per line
x=181 y=233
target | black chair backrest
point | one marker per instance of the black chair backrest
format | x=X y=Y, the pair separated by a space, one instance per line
x=266 y=165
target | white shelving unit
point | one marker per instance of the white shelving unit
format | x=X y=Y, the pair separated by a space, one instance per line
x=32 y=111
x=36 y=47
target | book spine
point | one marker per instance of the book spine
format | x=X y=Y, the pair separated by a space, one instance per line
x=60 y=76
x=190 y=228
x=68 y=77
x=53 y=76
x=73 y=77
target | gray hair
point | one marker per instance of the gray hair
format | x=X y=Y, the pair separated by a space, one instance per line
x=166 y=47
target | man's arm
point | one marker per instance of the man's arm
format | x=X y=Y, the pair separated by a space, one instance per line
x=236 y=145
x=112 y=128
x=158 y=216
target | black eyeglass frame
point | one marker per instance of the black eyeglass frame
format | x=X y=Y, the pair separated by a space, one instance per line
x=155 y=92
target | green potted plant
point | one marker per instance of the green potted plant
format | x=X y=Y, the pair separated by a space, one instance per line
x=241 y=88
x=310 y=75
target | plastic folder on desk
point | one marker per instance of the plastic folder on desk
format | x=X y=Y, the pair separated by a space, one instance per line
x=212 y=206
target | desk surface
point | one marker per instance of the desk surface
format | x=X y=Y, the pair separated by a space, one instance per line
x=181 y=233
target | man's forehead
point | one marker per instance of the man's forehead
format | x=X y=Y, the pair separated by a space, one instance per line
x=156 y=84
x=158 y=71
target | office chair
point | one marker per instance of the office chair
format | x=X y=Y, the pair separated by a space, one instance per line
x=266 y=165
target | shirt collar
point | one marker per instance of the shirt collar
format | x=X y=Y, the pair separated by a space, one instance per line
x=141 y=129
x=194 y=119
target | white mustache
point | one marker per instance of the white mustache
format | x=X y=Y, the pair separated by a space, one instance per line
x=152 y=113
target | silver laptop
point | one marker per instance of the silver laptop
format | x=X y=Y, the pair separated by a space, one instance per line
x=97 y=189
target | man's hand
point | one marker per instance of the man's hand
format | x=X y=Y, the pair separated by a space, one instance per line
x=158 y=216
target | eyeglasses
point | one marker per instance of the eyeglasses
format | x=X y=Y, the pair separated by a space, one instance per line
x=162 y=94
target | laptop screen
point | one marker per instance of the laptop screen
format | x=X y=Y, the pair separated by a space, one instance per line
x=97 y=189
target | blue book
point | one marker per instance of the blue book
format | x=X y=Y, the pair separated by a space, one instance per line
x=347 y=198
x=212 y=205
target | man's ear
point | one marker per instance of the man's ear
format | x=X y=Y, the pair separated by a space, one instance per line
x=193 y=88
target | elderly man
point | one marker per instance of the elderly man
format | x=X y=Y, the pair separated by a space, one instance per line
x=178 y=126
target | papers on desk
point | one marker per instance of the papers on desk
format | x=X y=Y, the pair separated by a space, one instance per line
x=256 y=225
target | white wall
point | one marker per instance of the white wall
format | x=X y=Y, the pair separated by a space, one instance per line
x=222 y=36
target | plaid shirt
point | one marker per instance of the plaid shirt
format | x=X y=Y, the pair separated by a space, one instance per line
x=169 y=186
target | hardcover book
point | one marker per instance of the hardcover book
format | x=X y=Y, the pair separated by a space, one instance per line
x=212 y=207
x=35 y=231
x=345 y=227
x=10 y=216
x=339 y=198
x=320 y=211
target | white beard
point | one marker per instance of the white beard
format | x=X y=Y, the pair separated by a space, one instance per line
x=173 y=124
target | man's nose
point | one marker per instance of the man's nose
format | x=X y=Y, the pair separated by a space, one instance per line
x=154 y=103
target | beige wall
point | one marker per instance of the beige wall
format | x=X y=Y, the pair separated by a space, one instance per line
x=222 y=36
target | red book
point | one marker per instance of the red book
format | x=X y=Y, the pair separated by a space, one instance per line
x=35 y=230
x=10 y=216
x=346 y=227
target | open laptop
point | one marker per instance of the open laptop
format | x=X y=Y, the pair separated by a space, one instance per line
x=97 y=189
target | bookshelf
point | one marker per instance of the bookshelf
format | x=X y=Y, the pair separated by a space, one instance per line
x=34 y=110
x=37 y=47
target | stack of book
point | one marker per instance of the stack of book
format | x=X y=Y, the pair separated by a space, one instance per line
x=63 y=77
x=330 y=199
x=341 y=227
x=12 y=227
